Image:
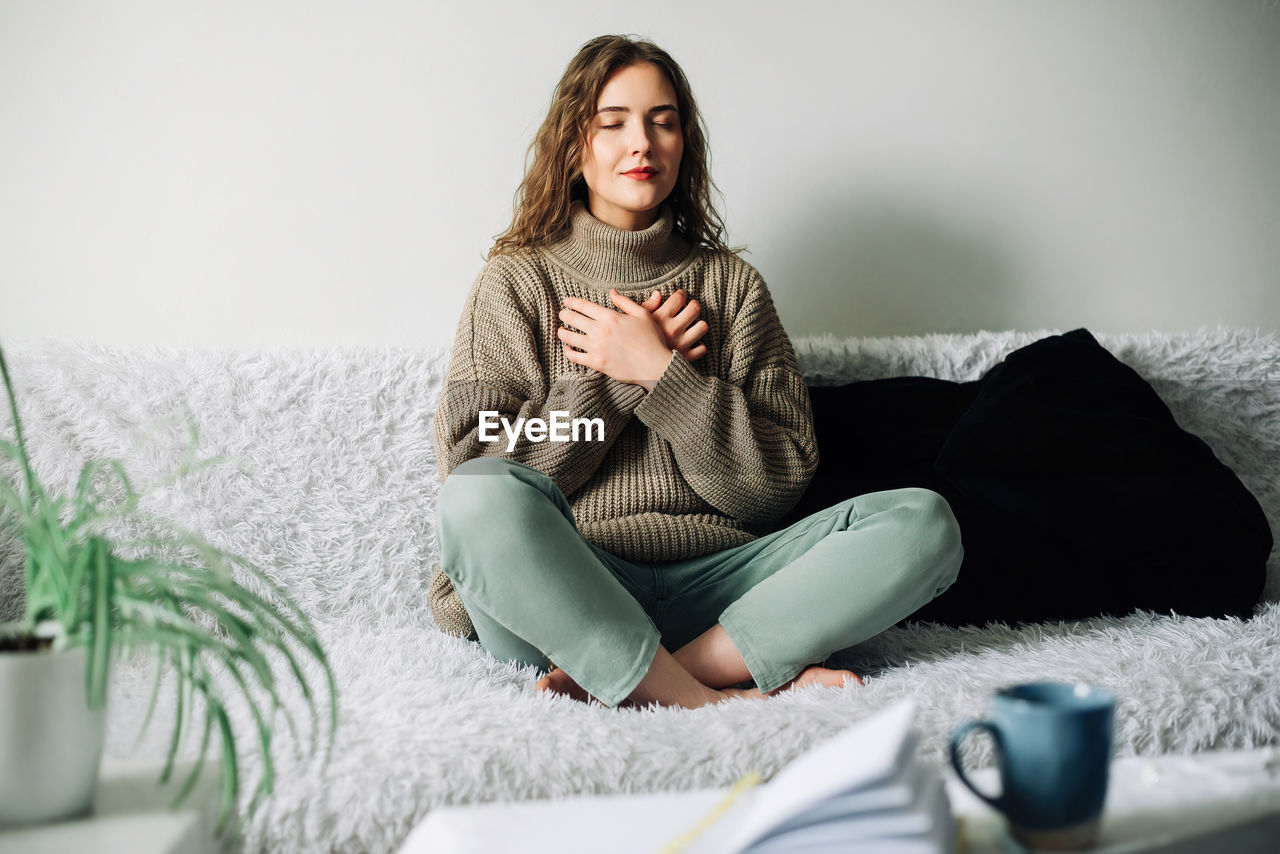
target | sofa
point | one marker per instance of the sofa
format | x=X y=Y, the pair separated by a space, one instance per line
x=330 y=485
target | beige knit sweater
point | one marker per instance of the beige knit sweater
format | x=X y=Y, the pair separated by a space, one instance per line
x=719 y=449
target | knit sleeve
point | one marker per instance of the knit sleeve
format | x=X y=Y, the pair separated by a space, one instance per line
x=497 y=367
x=746 y=443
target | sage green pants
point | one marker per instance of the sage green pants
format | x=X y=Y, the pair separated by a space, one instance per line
x=536 y=590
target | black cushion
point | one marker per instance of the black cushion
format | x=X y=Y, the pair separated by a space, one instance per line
x=1076 y=492
x=880 y=434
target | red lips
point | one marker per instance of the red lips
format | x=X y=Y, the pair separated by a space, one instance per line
x=639 y=169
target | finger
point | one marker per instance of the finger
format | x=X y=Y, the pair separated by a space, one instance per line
x=577 y=322
x=577 y=358
x=696 y=353
x=576 y=339
x=590 y=309
x=691 y=335
x=673 y=304
x=654 y=300
x=627 y=305
x=688 y=337
x=689 y=313
x=584 y=322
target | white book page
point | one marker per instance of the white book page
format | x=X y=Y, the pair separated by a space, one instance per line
x=900 y=792
x=859 y=759
x=865 y=754
x=886 y=845
x=918 y=821
x=584 y=824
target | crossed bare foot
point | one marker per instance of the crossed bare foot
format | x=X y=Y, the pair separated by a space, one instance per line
x=559 y=682
x=814 y=674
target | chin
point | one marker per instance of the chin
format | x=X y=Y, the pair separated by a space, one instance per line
x=647 y=203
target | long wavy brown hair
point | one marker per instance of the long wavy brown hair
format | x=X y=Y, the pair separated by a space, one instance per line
x=553 y=181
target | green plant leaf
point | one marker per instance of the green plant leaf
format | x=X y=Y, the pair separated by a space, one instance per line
x=266 y=782
x=161 y=656
x=190 y=783
x=230 y=767
x=86 y=508
x=190 y=614
x=75 y=582
x=265 y=632
x=22 y=456
x=100 y=633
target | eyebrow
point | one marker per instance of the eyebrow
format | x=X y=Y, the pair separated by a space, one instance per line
x=657 y=109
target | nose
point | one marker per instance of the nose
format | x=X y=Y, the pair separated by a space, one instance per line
x=641 y=143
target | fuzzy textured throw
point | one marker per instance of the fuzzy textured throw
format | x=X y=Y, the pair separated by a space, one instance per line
x=331 y=487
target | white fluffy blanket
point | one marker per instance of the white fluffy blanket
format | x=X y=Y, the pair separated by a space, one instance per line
x=334 y=493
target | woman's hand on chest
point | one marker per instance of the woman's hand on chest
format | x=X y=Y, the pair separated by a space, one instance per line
x=630 y=344
x=677 y=316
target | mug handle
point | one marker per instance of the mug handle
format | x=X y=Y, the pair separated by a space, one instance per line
x=956 y=738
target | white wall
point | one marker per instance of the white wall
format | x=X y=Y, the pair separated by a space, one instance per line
x=309 y=173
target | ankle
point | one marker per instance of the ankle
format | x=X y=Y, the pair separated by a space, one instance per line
x=718 y=696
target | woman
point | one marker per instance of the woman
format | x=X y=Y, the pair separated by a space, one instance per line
x=636 y=553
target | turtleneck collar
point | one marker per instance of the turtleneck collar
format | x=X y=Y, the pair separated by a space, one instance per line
x=603 y=256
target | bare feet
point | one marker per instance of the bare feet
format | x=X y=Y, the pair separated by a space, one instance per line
x=814 y=674
x=560 y=682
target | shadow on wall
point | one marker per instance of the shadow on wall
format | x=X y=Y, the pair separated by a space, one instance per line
x=884 y=267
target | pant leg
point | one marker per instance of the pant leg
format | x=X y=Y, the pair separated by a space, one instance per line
x=829 y=581
x=534 y=587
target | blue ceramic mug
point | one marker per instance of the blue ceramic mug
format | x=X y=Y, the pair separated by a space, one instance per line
x=1053 y=751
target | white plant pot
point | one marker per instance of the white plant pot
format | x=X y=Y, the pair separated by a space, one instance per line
x=50 y=741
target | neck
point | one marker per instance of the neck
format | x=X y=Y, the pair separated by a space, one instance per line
x=602 y=255
x=618 y=217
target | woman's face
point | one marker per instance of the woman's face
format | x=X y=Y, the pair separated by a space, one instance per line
x=636 y=125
